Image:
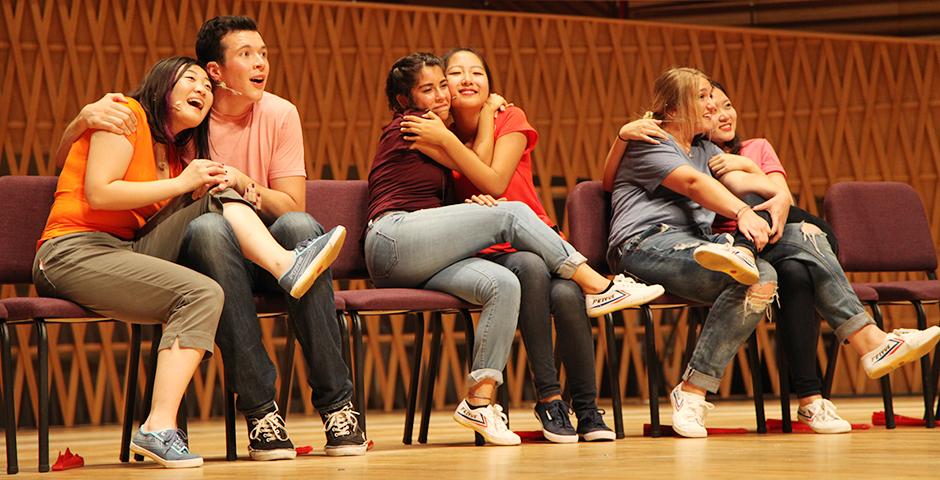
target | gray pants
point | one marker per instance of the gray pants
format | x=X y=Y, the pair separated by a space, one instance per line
x=435 y=249
x=137 y=281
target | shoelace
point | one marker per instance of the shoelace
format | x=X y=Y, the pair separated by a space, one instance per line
x=342 y=422
x=269 y=428
x=559 y=413
x=179 y=442
x=826 y=412
x=696 y=409
x=497 y=410
x=303 y=244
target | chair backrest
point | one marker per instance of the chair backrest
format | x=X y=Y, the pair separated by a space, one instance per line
x=588 y=208
x=346 y=203
x=881 y=227
x=25 y=201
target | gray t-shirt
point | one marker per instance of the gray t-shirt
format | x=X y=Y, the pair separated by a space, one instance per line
x=640 y=201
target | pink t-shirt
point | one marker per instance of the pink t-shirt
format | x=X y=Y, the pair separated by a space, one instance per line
x=762 y=153
x=265 y=143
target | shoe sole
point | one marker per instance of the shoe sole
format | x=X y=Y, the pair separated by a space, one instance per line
x=483 y=432
x=321 y=262
x=558 y=438
x=191 y=463
x=635 y=299
x=347 y=450
x=825 y=432
x=728 y=265
x=270 y=455
x=599 y=436
x=911 y=355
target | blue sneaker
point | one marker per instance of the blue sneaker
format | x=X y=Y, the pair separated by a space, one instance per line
x=166 y=447
x=311 y=258
x=556 y=425
x=591 y=426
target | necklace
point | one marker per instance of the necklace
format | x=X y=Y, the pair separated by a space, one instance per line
x=159 y=154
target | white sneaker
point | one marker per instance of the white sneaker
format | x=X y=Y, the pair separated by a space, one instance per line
x=688 y=413
x=489 y=421
x=902 y=346
x=821 y=416
x=624 y=293
x=723 y=257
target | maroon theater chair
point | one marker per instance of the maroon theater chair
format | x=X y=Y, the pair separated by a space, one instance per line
x=883 y=227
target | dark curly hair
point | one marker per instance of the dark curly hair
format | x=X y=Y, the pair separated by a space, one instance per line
x=403 y=75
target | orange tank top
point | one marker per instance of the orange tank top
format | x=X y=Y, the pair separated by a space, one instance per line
x=71 y=213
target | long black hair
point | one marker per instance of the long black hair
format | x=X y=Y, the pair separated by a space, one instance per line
x=403 y=75
x=733 y=145
x=153 y=94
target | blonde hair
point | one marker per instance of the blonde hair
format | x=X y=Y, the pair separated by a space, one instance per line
x=674 y=99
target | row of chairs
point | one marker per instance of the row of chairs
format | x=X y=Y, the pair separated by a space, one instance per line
x=25 y=203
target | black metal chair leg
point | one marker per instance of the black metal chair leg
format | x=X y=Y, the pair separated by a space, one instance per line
x=155 y=338
x=925 y=373
x=613 y=374
x=753 y=358
x=9 y=411
x=43 y=358
x=434 y=363
x=359 y=355
x=344 y=339
x=231 y=449
x=415 y=378
x=652 y=372
x=287 y=372
x=130 y=392
x=886 y=396
x=783 y=374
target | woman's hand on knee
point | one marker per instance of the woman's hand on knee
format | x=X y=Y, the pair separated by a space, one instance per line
x=485 y=200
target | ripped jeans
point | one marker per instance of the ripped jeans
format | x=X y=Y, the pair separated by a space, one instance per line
x=835 y=300
x=663 y=254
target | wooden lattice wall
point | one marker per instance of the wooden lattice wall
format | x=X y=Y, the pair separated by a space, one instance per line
x=836 y=107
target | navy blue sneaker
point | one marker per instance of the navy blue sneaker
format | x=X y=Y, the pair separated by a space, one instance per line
x=169 y=448
x=556 y=425
x=343 y=435
x=312 y=257
x=591 y=426
x=267 y=436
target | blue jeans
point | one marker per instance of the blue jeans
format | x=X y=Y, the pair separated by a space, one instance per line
x=210 y=247
x=435 y=249
x=545 y=297
x=663 y=254
x=835 y=299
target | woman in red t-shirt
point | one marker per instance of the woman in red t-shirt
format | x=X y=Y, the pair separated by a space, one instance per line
x=503 y=140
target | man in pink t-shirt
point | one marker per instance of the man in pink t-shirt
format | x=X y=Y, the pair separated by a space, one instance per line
x=258 y=136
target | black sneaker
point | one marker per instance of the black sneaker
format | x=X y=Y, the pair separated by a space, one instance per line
x=591 y=426
x=556 y=425
x=343 y=435
x=268 y=438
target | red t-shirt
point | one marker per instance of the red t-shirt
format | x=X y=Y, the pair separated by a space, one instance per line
x=521 y=187
x=401 y=178
x=762 y=153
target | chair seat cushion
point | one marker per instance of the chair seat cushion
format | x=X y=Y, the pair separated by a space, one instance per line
x=905 y=291
x=268 y=304
x=865 y=292
x=407 y=299
x=670 y=299
x=27 y=308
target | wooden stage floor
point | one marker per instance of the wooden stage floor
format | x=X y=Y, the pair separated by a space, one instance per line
x=908 y=452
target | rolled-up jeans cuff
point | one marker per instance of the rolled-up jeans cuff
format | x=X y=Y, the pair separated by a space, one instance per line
x=853 y=325
x=481 y=374
x=701 y=380
x=567 y=268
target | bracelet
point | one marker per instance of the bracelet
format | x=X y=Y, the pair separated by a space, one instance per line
x=737 y=215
